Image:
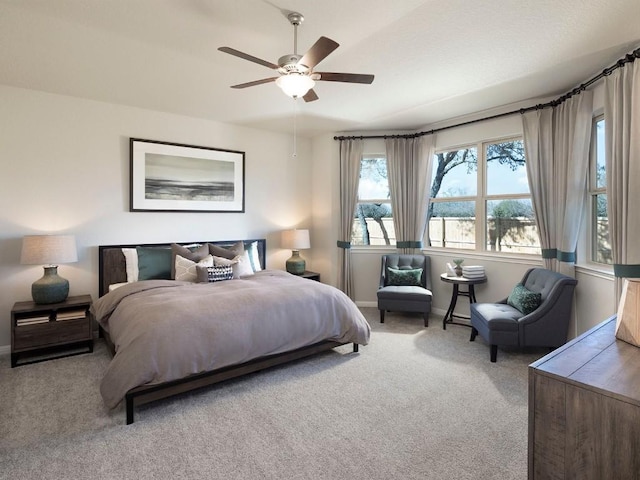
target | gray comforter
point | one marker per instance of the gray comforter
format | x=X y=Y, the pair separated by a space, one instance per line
x=164 y=330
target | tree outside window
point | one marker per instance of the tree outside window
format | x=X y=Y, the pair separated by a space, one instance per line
x=373 y=223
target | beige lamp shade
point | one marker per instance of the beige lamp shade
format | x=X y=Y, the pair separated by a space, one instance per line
x=628 y=320
x=48 y=249
x=297 y=239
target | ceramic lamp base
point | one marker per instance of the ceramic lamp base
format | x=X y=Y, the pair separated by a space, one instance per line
x=51 y=288
x=296 y=263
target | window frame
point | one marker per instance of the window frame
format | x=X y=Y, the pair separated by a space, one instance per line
x=366 y=156
x=592 y=192
x=482 y=197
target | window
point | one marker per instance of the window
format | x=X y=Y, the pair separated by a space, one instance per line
x=600 y=245
x=480 y=199
x=373 y=224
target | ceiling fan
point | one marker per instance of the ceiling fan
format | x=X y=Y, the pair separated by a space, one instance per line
x=297 y=77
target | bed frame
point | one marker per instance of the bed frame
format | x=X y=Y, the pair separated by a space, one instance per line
x=112 y=269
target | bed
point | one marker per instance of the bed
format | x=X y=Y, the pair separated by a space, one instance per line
x=170 y=336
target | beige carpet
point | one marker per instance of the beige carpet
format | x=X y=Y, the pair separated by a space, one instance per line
x=414 y=404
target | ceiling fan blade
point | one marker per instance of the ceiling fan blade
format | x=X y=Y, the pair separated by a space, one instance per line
x=246 y=56
x=310 y=96
x=318 y=52
x=344 y=77
x=255 y=82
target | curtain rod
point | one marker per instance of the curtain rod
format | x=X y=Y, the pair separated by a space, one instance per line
x=629 y=58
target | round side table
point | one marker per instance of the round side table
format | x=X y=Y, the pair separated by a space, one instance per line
x=470 y=292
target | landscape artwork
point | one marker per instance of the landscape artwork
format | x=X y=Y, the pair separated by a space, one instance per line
x=177 y=177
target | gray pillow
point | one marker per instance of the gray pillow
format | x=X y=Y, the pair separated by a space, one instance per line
x=195 y=253
x=227 y=252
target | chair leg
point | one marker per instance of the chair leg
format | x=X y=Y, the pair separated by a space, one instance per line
x=426 y=319
x=494 y=353
x=474 y=334
x=381 y=316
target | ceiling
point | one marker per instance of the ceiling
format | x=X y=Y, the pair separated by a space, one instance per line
x=433 y=59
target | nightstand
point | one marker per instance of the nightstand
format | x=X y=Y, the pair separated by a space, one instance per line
x=45 y=329
x=311 y=275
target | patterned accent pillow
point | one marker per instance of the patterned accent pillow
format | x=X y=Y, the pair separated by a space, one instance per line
x=524 y=299
x=214 y=274
x=186 y=270
x=409 y=277
x=194 y=252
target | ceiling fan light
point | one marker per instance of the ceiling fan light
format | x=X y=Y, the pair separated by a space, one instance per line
x=295 y=84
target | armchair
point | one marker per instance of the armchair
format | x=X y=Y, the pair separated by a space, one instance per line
x=546 y=326
x=403 y=287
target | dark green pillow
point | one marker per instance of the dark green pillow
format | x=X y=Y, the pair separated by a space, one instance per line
x=154 y=263
x=409 y=277
x=524 y=299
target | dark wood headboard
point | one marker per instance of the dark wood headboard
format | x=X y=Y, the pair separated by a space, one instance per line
x=112 y=267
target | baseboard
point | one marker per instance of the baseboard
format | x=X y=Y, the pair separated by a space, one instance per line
x=435 y=311
x=5 y=349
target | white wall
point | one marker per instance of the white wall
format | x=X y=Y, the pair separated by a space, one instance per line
x=65 y=164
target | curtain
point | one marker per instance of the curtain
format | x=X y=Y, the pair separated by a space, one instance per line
x=556 y=144
x=350 y=157
x=409 y=163
x=622 y=153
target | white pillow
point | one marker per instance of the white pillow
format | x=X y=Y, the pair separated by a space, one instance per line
x=253 y=256
x=113 y=286
x=131 y=258
x=186 y=270
x=241 y=264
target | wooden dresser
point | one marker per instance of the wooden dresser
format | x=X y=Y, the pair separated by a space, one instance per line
x=584 y=409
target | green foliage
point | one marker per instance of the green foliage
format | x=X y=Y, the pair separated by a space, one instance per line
x=375 y=210
x=512 y=209
x=453 y=209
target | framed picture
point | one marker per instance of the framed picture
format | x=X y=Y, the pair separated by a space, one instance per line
x=171 y=177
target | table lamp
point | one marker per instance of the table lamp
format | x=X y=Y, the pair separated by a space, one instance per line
x=296 y=240
x=49 y=250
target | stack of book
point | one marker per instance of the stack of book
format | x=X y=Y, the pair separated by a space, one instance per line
x=473 y=272
x=71 y=314
x=32 y=320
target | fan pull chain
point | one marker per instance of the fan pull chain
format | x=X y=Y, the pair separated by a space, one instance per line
x=295 y=127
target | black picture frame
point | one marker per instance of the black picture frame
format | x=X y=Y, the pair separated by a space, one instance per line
x=174 y=177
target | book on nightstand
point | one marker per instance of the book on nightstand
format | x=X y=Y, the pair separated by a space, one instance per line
x=71 y=315
x=32 y=320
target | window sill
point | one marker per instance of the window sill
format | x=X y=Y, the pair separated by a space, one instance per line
x=596 y=270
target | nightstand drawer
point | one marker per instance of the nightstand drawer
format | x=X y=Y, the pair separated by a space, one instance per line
x=51 y=333
x=40 y=331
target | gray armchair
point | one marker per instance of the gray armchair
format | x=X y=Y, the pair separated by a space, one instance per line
x=547 y=326
x=400 y=297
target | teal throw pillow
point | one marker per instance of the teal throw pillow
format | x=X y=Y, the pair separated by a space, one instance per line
x=404 y=277
x=524 y=299
x=154 y=263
